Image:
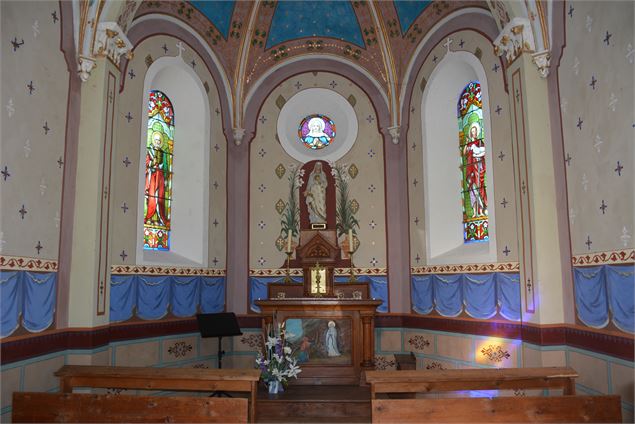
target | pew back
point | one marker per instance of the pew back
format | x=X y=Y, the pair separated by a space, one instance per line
x=556 y=409
x=423 y=381
x=77 y=407
x=148 y=378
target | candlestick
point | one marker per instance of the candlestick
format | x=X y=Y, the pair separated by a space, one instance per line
x=351 y=248
x=287 y=277
x=289 y=236
x=352 y=278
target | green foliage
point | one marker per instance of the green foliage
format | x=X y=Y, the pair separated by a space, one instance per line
x=291 y=214
x=343 y=211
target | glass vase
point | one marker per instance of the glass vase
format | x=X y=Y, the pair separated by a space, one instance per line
x=274 y=387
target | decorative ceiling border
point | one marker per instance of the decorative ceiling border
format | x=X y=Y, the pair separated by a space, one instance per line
x=298 y=272
x=164 y=270
x=459 y=268
x=19 y=263
x=626 y=256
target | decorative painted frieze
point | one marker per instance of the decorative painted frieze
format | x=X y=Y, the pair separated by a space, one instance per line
x=460 y=268
x=164 y=270
x=17 y=263
x=626 y=256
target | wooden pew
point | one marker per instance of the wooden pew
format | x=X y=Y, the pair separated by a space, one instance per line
x=147 y=378
x=78 y=407
x=556 y=409
x=424 y=381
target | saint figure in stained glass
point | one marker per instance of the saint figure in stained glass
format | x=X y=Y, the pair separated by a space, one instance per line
x=316 y=131
x=158 y=175
x=473 y=169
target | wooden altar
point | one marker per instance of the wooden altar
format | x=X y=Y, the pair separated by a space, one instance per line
x=352 y=318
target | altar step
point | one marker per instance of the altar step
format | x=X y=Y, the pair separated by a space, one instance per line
x=315 y=404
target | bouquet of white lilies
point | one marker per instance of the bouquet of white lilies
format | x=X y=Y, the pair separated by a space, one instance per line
x=277 y=362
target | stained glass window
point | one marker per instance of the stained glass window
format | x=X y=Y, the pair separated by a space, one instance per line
x=158 y=176
x=316 y=131
x=473 y=170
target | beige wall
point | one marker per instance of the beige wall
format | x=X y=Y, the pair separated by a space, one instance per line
x=29 y=154
x=606 y=136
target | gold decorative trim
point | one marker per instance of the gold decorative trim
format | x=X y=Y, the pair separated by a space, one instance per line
x=626 y=256
x=19 y=263
x=453 y=269
x=164 y=270
x=298 y=272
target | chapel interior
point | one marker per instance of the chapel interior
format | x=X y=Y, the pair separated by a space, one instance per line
x=429 y=186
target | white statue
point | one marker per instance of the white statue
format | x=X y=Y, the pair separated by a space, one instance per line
x=315 y=195
x=331 y=340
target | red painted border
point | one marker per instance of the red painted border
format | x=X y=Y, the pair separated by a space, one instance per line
x=614 y=345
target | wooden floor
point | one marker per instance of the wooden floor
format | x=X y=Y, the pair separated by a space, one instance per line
x=308 y=404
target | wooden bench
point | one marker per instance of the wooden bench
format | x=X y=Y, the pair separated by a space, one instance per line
x=147 y=378
x=570 y=409
x=424 y=381
x=78 y=407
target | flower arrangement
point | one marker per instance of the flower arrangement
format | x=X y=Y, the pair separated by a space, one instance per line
x=277 y=362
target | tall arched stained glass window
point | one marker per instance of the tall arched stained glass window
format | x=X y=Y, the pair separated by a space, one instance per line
x=473 y=170
x=158 y=176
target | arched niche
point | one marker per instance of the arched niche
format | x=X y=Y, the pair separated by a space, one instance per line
x=441 y=158
x=190 y=198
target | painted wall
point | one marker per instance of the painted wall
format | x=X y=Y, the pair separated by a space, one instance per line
x=35 y=84
x=596 y=104
x=266 y=188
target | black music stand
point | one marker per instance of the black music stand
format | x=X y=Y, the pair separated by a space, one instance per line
x=219 y=325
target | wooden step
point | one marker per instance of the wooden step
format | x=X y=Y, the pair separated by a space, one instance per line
x=315 y=404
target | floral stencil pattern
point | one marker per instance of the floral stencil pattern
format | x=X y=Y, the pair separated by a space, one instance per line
x=179 y=349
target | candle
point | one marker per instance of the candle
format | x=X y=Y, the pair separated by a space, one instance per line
x=350 y=240
x=289 y=242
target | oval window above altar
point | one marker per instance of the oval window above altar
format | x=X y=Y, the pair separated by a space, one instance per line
x=321 y=109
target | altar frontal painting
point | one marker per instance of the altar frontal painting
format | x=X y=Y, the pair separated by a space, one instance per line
x=319 y=341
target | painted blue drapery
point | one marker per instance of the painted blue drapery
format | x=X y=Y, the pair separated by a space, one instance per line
x=479 y=295
x=27 y=294
x=604 y=293
x=152 y=297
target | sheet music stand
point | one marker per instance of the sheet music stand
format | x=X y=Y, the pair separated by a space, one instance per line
x=219 y=325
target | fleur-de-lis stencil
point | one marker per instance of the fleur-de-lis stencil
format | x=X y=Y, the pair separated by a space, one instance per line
x=625 y=237
x=576 y=65
x=10 y=107
x=598 y=142
x=27 y=148
x=612 y=102
x=630 y=53
x=563 y=105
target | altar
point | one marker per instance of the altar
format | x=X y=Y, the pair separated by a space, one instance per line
x=312 y=324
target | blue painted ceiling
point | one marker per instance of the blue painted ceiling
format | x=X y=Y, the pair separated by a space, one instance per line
x=219 y=12
x=408 y=11
x=297 y=19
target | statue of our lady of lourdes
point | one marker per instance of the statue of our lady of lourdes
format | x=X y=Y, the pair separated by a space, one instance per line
x=315 y=195
x=331 y=340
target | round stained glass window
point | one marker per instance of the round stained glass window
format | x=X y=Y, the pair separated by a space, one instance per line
x=316 y=131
